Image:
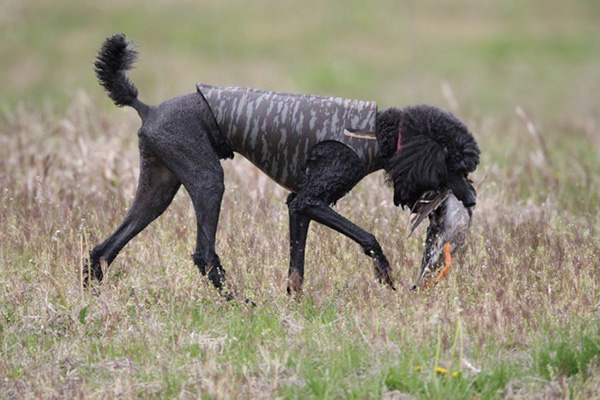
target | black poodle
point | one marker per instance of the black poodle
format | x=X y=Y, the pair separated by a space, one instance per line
x=319 y=148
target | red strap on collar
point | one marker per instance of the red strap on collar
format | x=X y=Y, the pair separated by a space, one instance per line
x=399 y=144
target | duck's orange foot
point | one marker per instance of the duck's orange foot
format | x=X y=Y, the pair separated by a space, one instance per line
x=447 y=264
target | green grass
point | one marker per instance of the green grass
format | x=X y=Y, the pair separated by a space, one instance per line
x=518 y=315
x=569 y=353
x=494 y=55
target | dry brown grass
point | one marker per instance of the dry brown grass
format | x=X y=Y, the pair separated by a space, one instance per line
x=528 y=277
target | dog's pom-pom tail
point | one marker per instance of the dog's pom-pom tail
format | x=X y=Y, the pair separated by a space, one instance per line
x=115 y=58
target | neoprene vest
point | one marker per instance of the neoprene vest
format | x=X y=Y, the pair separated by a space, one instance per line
x=276 y=131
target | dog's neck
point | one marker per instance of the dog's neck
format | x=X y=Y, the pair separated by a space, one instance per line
x=389 y=132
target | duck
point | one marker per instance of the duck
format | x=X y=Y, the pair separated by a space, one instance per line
x=449 y=223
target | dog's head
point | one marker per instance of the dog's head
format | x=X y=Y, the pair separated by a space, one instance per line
x=435 y=151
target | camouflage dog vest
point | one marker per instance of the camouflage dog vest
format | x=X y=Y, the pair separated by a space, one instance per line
x=276 y=131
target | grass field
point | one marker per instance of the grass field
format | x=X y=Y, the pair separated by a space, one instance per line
x=518 y=316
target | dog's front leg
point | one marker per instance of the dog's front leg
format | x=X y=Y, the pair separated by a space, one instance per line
x=323 y=214
x=298 y=232
x=332 y=170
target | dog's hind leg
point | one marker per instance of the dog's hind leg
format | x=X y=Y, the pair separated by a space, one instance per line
x=298 y=232
x=156 y=188
x=189 y=154
x=332 y=170
x=206 y=196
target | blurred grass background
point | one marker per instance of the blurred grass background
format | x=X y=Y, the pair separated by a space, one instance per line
x=543 y=55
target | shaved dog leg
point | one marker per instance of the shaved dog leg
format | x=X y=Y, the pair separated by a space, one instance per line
x=331 y=171
x=328 y=217
x=298 y=233
x=156 y=188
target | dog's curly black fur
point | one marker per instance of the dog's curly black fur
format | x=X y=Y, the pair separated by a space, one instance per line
x=421 y=148
x=433 y=144
x=114 y=59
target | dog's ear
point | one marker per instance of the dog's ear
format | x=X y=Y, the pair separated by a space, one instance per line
x=420 y=166
x=464 y=154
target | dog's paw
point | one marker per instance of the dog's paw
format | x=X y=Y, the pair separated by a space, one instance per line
x=384 y=273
